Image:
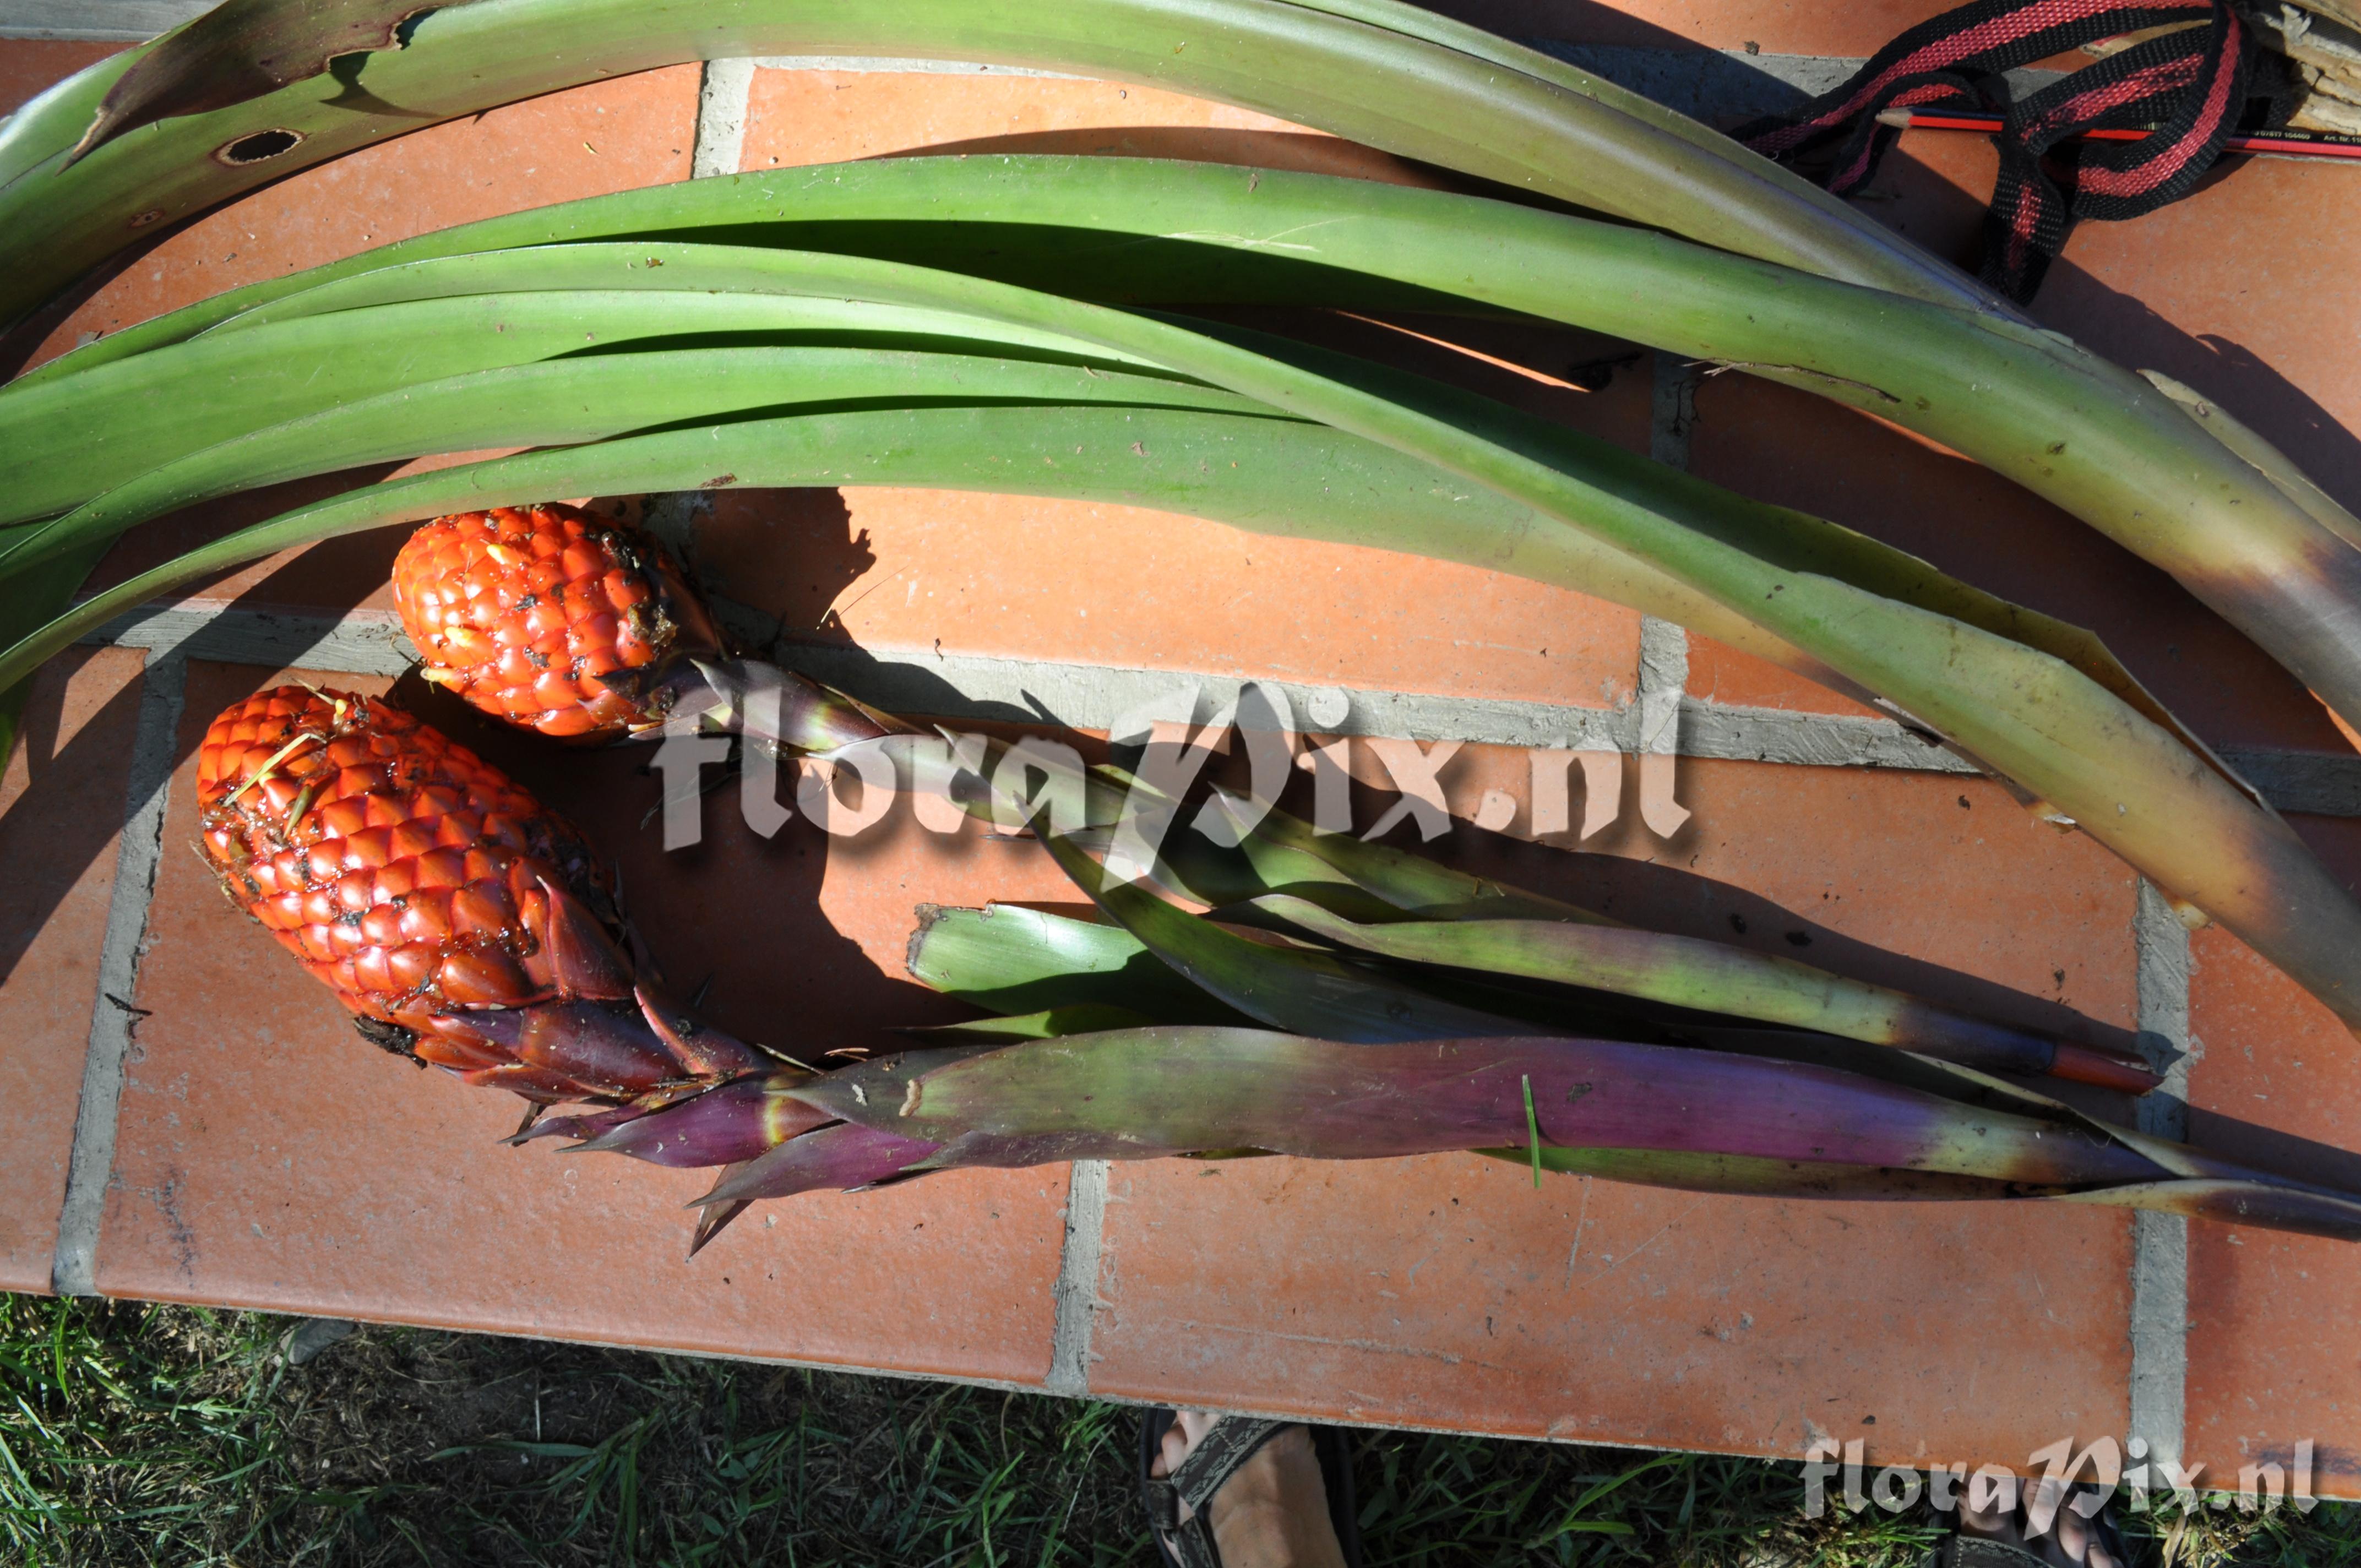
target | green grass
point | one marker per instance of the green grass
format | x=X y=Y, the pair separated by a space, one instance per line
x=133 y=1434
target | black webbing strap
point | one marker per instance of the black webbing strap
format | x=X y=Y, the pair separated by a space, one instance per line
x=2187 y=88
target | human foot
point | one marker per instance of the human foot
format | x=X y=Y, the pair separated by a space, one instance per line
x=1271 y=1510
x=2072 y=1540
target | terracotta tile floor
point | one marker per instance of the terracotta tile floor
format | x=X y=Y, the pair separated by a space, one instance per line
x=266 y=1158
x=1449 y=1292
x=2272 y=1356
x=60 y=821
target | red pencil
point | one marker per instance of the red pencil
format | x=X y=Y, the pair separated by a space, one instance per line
x=2287 y=143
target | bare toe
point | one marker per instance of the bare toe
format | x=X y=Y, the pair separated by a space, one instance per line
x=2072 y=1537
x=1985 y=1521
x=2070 y=1541
x=1170 y=1451
x=1181 y=1440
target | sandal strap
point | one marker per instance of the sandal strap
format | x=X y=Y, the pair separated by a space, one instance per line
x=1983 y=1552
x=1233 y=1440
x=1191 y=1545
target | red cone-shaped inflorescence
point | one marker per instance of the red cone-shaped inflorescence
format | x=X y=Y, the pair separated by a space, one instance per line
x=550 y=618
x=464 y=923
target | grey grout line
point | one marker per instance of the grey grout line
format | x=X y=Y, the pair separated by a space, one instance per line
x=359 y=642
x=1735 y=733
x=1078 y=1279
x=1092 y=696
x=721 y=97
x=1664 y=701
x=2159 y=1311
x=90 y=1165
x=2161 y=943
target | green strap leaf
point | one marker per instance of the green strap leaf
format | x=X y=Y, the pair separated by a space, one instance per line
x=1687 y=972
x=1296 y=988
x=1262 y=474
x=562 y=402
x=1145 y=1093
x=1379 y=73
x=2088 y=437
x=83 y=434
x=1025 y=962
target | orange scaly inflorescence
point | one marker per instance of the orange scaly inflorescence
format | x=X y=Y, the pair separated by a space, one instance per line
x=549 y=618
x=413 y=878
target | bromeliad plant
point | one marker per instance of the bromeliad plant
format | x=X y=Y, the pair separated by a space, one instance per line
x=465 y=926
x=1387 y=1005
x=548 y=618
x=980 y=323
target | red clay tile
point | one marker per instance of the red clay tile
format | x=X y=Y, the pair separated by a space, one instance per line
x=269 y=1158
x=1446 y=1292
x=1981 y=888
x=1718 y=672
x=2272 y=1345
x=1108 y=585
x=61 y=804
x=1824 y=864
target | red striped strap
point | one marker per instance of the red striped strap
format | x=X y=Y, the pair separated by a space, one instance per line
x=2187 y=88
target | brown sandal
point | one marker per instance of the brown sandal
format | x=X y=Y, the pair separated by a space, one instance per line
x=1233 y=1440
